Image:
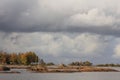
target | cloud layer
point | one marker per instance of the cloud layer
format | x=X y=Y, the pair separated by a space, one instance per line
x=63 y=46
x=101 y=17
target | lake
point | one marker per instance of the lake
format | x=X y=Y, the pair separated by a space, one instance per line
x=26 y=75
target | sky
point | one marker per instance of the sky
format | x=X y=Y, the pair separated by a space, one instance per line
x=62 y=31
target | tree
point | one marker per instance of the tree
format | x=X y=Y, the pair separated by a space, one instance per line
x=87 y=63
x=23 y=58
x=13 y=58
x=8 y=59
x=31 y=57
x=42 y=62
x=3 y=57
x=50 y=64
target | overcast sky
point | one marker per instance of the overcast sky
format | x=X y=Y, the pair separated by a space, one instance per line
x=62 y=30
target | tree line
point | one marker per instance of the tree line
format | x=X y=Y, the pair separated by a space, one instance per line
x=18 y=58
x=109 y=65
x=28 y=58
x=85 y=63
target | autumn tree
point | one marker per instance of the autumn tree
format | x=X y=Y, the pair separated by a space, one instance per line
x=13 y=58
x=31 y=57
x=23 y=58
x=3 y=57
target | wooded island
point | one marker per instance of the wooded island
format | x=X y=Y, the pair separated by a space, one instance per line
x=29 y=60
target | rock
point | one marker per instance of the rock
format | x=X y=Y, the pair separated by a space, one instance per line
x=4 y=68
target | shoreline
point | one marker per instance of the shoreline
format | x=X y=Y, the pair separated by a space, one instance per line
x=59 y=69
x=72 y=69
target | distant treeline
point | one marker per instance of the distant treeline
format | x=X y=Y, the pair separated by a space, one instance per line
x=18 y=58
x=109 y=65
x=86 y=63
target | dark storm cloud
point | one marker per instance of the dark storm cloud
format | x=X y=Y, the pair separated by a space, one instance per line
x=10 y=11
x=54 y=16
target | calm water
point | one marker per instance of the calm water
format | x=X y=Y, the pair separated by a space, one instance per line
x=25 y=75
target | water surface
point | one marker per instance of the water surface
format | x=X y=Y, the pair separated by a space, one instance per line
x=26 y=75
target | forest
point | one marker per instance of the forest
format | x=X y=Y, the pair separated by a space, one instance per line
x=18 y=58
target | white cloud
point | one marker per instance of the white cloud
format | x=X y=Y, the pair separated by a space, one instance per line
x=66 y=46
x=94 y=17
x=117 y=51
x=56 y=44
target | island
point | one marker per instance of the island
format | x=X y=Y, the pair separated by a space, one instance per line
x=32 y=62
